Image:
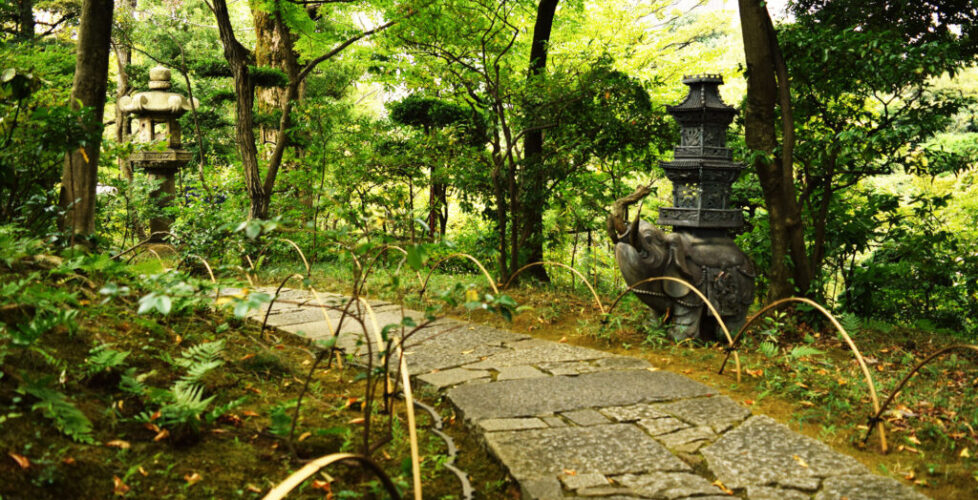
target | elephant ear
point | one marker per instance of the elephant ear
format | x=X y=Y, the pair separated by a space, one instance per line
x=680 y=267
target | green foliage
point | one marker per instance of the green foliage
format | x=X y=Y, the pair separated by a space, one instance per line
x=56 y=406
x=35 y=133
x=102 y=359
x=182 y=406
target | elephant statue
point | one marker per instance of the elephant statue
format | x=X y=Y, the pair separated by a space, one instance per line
x=711 y=263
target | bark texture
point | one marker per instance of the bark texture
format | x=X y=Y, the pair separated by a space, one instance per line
x=535 y=187
x=765 y=67
x=87 y=90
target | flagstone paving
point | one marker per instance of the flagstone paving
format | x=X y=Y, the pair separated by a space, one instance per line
x=571 y=422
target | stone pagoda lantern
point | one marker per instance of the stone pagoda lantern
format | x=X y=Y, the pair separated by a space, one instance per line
x=702 y=171
x=698 y=259
x=156 y=113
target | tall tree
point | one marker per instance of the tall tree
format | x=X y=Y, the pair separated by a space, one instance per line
x=767 y=88
x=241 y=60
x=88 y=90
x=535 y=199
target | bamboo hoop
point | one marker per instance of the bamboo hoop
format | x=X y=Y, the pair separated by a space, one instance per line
x=594 y=294
x=492 y=283
x=906 y=378
x=297 y=249
x=409 y=400
x=709 y=305
x=871 y=385
x=299 y=476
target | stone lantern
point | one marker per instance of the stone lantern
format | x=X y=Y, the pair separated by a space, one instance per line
x=698 y=260
x=156 y=113
x=702 y=171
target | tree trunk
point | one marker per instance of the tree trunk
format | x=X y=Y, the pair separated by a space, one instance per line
x=775 y=174
x=534 y=186
x=238 y=57
x=25 y=28
x=273 y=49
x=88 y=90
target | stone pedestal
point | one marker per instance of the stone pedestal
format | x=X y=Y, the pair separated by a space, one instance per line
x=156 y=114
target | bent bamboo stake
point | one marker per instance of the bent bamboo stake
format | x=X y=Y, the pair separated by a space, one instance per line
x=709 y=305
x=297 y=249
x=906 y=378
x=297 y=477
x=842 y=331
x=376 y=257
x=492 y=283
x=408 y=405
x=565 y=266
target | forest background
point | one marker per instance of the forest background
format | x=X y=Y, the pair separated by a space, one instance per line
x=509 y=135
x=500 y=129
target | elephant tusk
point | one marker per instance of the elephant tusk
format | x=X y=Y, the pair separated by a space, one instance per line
x=632 y=231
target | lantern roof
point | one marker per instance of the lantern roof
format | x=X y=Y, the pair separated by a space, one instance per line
x=158 y=101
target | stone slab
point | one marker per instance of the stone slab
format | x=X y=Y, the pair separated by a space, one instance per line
x=634 y=413
x=762 y=451
x=446 y=345
x=866 y=487
x=581 y=481
x=518 y=372
x=660 y=426
x=554 y=422
x=452 y=377
x=521 y=398
x=586 y=417
x=677 y=440
x=772 y=493
x=511 y=424
x=551 y=353
x=717 y=412
x=540 y=489
x=668 y=485
x=602 y=449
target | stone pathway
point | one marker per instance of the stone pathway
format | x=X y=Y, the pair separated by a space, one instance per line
x=570 y=422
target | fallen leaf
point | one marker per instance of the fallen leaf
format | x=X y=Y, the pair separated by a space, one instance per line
x=748 y=402
x=913 y=439
x=358 y=420
x=163 y=434
x=119 y=488
x=470 y=351
x=151 y=427
x=253 y=389
x=118 y=443
x=570 y=472
x=800 y=461
x=319 y=484
x=755 y=373
x=21 y=460
x=68 y=460
x=155 y=415
x=304 y=436
x=142 y=471
x=910 y=476
x=723 y=487
x=192 y=478
x=807 y=404
x=177 y=340
x=965 y=453
x=246 y=356
x=563 y=340
x=252 y=488
x=249 y=413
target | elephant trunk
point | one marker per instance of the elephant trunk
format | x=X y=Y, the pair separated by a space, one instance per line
x=617 y=230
